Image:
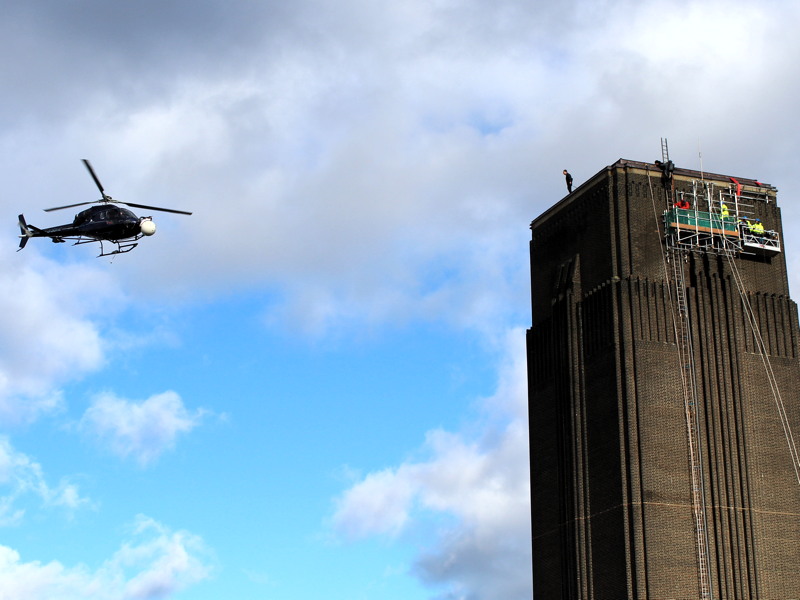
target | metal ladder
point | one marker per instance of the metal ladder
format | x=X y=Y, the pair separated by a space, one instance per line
x=684 y=342
x=664 y=150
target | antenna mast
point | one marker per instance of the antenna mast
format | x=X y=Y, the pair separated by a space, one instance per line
x=700 y=155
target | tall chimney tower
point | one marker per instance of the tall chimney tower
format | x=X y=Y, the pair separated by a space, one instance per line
x=664 y=387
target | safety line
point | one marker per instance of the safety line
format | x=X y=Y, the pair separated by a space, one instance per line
x=762 y=350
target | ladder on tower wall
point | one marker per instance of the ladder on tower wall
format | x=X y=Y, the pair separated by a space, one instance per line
x=688 y=383
x=677 y=248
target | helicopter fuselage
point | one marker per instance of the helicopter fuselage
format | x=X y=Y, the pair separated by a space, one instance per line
x=98 y=223
x=102 y=222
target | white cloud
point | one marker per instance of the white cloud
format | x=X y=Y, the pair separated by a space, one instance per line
x=156 y=563
x=20 y=477
x=143 y=430
x=171 y=559
x=474 y=492
x=47 y=336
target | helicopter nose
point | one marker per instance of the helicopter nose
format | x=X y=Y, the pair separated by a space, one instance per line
x=147 y=227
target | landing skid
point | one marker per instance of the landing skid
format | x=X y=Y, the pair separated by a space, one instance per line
x=121 y=248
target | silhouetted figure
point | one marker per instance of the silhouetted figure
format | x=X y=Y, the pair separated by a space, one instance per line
x=667 y=169
x=568 y=177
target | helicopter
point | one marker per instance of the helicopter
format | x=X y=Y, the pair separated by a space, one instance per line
x=103 y=222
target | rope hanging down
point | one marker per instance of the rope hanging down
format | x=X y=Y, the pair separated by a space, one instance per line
x=762 y=350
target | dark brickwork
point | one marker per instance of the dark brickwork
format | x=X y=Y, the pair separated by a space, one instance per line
x=610 y=468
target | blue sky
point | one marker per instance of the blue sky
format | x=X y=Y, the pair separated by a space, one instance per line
x=314 y=386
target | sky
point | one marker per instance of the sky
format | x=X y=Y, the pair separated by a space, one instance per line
x=314 y=386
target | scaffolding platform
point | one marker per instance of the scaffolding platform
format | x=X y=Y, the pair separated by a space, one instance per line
x=699 y=221
x=692 y=229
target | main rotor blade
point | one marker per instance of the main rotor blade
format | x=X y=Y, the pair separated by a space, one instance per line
x=170 y=210
x=96 y=180
x=67 y=206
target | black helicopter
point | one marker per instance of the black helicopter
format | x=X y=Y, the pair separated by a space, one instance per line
x=101 y=223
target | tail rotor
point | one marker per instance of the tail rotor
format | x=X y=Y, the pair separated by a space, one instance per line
x=25 y=232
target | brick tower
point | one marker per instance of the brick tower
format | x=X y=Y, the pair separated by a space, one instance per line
x=663 y=375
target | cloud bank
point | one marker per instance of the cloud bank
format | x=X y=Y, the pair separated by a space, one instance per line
x=473 y=491
x=154 y=563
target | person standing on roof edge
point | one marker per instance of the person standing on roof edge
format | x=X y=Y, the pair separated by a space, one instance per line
x=568 y=177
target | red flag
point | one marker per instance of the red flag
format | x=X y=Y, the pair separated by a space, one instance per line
x=738 y=187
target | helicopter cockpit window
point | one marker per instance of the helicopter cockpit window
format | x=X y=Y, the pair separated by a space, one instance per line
x=109 y=214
